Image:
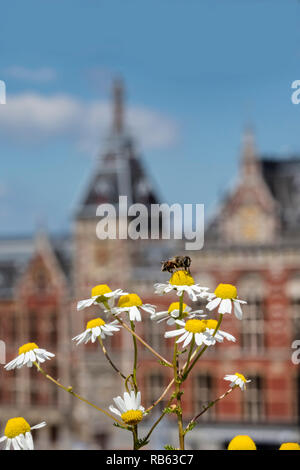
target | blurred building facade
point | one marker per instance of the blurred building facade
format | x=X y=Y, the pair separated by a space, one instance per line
x=252 y=242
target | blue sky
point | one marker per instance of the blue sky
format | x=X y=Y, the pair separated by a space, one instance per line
x=196 y=72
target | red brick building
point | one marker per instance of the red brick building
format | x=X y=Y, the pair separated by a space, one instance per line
x=252 y=242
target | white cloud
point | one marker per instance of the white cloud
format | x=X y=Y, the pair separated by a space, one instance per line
x=43 y=74
x=28 y=118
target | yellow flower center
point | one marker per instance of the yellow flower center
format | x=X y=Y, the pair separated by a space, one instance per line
x=289 y=446
x=176 y=306
x=195 y=326
x=100 y=290
x=16 y=426
x=242 y=443
x=95 y=322
x=27 y=347
x=226 y=291
x=182 y=278
x=129 y=300
x=211 y=324
x=241 y=376
x=132 y=417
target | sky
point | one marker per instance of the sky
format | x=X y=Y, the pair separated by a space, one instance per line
x=196 y=73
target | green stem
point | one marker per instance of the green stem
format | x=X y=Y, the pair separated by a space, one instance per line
x=177 y=384
x=186 y=372
x=70 y=390
x=135 y=437
x=109 y=359
x=189 y=355
x=161 y=358
x=159 y=419
x=208 y=407
x=135 y=358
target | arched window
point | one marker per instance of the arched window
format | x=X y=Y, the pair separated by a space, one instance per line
x=251 y=289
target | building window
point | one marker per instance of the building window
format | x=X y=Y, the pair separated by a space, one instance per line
x=251 y=288
x=202 y=395
x=153 y=334
x=252 y=327
x=253 y=404
x=154 y=385
x=33 y=326
x=53 y=328
x=295 y=306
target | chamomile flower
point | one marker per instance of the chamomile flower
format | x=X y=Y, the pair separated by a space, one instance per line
x=237 y=380
x=181 y=281
x=225 y=297
x=173 y=313
x=101 y=295
x=28 y=354
x=17 y=434
x=97 y=327
x=129 y=408
x=131 y=303
x=201 y=330
x=241 y=443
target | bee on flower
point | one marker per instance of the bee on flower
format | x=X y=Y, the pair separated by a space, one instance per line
x=202 y=331
x=173 y=311
x=101 y=295
x=132 y=303
x=129 y=408
x=225 y=298
x=181 y=282
x=29 y=353
x=17 y=434
x=95 y=328
x=237 y=380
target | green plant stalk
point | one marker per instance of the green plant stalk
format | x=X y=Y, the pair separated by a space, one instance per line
x=70 y=390
x=186 y=373
x=162 y=359
x=209 y=406
x=178 y=384
x=135 y=437
x=189 y=355
x=134 y=359
x=109 y=359
x=164 y=412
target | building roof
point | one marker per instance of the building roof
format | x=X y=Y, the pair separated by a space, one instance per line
x=120 y=171
x=16 y=252
x=283 y=179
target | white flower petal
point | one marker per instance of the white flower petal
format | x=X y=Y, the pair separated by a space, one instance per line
x=29 y=441
x=85 y=303
x=225 y=306
x=213 y=303
x=237 y=310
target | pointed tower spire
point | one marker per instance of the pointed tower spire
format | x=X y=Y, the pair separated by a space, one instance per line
x=118 y=106
x=249 y=162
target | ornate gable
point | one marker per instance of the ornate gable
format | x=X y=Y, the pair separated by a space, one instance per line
x=43 y=273
x=250 y=213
